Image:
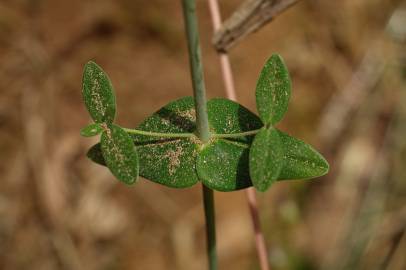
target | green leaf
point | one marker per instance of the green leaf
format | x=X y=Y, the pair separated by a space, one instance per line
x=265 y=158
x=91 y=130
x=223 y=165
x=120 y=154
x=98 y=94
x=95 y=154
x=273 y=90
x=228 y=117
x=170 y=162
x=301 y=161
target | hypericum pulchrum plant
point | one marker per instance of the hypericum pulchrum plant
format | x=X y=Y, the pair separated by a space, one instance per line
x=219 y=142
x=243 y=149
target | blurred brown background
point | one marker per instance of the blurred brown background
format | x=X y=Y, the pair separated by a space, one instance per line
x=60 y=211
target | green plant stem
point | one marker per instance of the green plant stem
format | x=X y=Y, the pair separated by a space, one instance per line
x=202 y=123
x=209 y=214
x=188 y=135
x=236 y=135
x=196 y=69
x=158 y=134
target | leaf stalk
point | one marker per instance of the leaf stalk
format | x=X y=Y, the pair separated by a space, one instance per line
x=189 y=135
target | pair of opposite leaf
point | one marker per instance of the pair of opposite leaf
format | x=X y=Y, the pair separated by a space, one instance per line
x=225 y=163
x=117 y=147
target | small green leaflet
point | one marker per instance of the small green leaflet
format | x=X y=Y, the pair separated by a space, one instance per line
x=273 y=90
x=300 y=160
x=91 y=130
x=265 y=158
x=98 y=94
x=120 y=154
x=223 y=165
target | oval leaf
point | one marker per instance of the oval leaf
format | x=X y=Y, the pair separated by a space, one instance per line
x=228 y=117
x=300 y=160
x=120 y=154
x=223 y=165
x=273 y=90
x=98 y=94
x=91 y=130
x=170 y=162
x=265 y=158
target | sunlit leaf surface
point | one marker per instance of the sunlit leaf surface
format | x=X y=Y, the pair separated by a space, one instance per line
x=98 y=94
x=229 y=117
x=265 y=158
x=223 y=165
x=120 y=154
x=170 y=162
x=300 y=160
x=273 y=90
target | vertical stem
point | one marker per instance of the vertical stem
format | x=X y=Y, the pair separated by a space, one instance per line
x=209 y=214
x=199 y=93
x=196 y=69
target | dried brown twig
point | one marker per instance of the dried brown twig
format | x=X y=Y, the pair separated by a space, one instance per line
x=249 y=17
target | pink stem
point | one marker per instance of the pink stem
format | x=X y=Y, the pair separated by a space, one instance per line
x=231 y=94
x=259 y=236
x=224 y=60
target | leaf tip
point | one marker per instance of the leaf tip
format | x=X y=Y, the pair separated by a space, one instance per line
x=91 y=63
x=325 y=165
x=131 y=181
